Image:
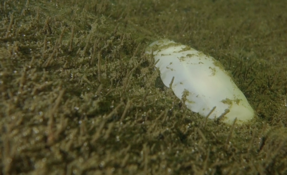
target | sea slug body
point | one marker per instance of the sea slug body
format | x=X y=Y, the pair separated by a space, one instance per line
x=202 y=80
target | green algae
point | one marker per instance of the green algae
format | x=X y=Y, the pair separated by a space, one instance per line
x=78 y=95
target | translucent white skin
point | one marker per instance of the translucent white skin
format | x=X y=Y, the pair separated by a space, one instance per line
x=203 y=79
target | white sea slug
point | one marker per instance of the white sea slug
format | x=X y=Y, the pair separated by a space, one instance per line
x=201 y=82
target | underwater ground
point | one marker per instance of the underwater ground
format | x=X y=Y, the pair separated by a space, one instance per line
x=79 y=96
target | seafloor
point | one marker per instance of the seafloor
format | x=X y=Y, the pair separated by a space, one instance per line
x=79 y=96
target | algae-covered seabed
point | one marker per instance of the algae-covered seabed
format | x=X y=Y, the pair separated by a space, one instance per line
x=78 y=95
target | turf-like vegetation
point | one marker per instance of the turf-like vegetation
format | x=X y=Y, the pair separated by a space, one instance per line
x=79 y=96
